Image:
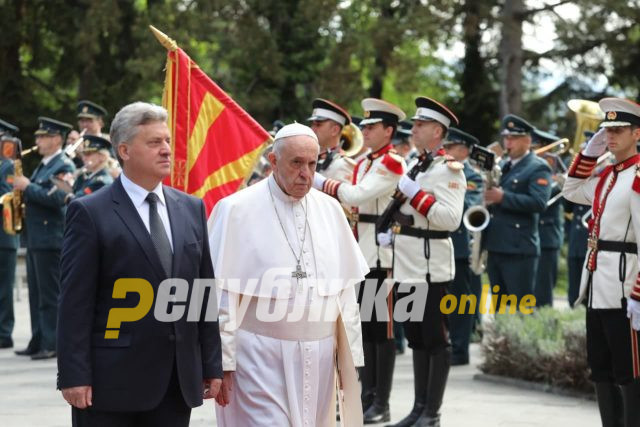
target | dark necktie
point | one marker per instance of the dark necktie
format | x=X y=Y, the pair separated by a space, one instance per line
x=506 y=168
x=158 y=234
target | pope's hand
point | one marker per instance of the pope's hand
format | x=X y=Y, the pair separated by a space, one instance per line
x=385 y=239
x=408 y=186
x=597 y=145
x=318 y=181
x=633 y=313
x=224 y=397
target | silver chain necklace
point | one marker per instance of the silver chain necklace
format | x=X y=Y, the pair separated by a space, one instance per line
x=298 y=273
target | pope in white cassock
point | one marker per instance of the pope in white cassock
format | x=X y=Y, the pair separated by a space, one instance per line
x=287 y=264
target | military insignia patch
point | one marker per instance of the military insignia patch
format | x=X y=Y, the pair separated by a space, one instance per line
x=611 y=115
x=85 y=109
x=87 y=190
x=10 y=179
x=471 y=185
x=542 y=181
x=367 y=114
x=454 y=185
x=510 y=124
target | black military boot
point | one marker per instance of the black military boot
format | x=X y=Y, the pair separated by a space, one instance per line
x=368 y=375
x=420 y=373
x=439 y=364
x=385 y=361
x=32 y=348
x=631 y=403
x=610 y=404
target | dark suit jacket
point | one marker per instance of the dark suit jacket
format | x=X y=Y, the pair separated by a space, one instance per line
x=105 y=240
x=513 y=228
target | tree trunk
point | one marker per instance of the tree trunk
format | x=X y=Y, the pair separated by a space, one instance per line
x=511 y=57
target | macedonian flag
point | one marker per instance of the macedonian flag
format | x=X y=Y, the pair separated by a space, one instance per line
x=215 y=144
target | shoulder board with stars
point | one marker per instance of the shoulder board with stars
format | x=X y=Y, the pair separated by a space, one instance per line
x=393 y=163
x=636 y=180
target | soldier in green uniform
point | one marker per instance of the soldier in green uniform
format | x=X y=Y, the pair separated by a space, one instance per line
x=550 y=225
x=8 y=247
x=512 y=238
x=95 y=175
x=458 y=145
x=44 y=220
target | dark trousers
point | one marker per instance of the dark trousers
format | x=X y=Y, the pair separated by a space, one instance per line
x=476 y=288
x=575 y=267
x=7 y=280
x=612 y=346
x=374 y=330
x=171 y=412
x=431 y=333
x=43 y=277
x=546 y=277
x=461 y=324
x=515 y=274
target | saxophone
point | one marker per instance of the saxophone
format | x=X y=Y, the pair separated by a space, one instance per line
x=12 y=204
x=476 y=218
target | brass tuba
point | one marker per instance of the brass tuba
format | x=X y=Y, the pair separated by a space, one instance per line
x=588 y=117
x=12 y=204
x=351 y=140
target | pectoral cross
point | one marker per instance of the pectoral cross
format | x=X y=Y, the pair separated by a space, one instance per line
x=299 y=274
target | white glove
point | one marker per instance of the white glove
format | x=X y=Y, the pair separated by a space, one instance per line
x=597 y=145
x=633 y=313
x=408 y=186
x=318 y=181
x=385 y=239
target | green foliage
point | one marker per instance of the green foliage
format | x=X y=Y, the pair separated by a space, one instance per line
x=548 y=346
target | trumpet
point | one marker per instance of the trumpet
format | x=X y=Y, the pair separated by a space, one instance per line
x=351 y=140
x=70 y=150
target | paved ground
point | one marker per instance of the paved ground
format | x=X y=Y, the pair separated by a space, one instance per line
x=29 y=397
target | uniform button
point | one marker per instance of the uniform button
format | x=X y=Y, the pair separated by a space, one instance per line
x=172 y=337
x=541 y=221
x=517 y=225
x=45 y=222
x=578 y=227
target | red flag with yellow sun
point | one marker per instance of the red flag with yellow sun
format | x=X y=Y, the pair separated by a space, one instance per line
x=215 y=144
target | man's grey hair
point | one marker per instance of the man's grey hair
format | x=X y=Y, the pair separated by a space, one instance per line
x=125 y=124
x=279 y=143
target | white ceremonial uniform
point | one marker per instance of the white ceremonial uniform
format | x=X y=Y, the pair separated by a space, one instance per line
x=284 y=370
x=377 y=177
x=341 y=168
x=620 y=222
x=446 y=182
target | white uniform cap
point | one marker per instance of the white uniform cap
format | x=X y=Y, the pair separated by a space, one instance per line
x=377 y=110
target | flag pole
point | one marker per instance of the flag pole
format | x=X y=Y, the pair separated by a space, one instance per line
x=164 y=39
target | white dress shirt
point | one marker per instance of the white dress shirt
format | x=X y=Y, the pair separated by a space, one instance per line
x=138 y=196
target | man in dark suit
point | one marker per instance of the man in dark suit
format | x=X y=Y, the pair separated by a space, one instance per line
x=155 y=371
x=44 y=222
x=512 y=235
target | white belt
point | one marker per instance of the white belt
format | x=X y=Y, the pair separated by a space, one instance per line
x=301 y=330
